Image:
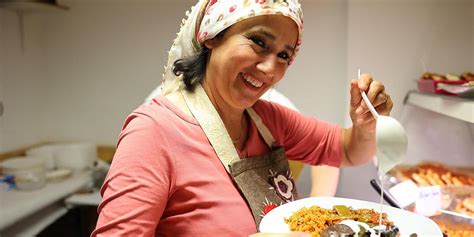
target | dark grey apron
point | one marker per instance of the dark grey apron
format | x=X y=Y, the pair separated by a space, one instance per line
x=265 y=182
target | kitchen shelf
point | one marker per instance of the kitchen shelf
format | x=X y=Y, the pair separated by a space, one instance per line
x=33 y=224
x=455 y=107
x=84 y=199
x=17 y=204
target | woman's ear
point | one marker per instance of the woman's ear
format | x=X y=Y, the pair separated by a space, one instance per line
x=211 y=43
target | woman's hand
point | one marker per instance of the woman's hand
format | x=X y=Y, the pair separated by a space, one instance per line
x=359 y=112
x=359 y=141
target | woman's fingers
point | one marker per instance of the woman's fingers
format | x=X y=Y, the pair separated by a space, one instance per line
x=386 y=107
x=380 y=99
x=383 y=104
x=364 y=81
x=356 y=97
x=377 y=95
x=372 y=88
x=375 y=88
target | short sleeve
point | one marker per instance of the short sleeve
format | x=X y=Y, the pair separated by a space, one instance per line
x=304 y=138
x=139 y=182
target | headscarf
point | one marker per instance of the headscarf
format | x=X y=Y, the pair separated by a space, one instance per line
x=210 y=17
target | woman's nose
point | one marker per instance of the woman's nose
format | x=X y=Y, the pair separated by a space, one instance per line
x=267 y=66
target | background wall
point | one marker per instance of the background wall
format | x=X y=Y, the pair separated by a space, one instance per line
x=75 y=75
x=24 y=81
x=2 y=77
x=104 y=58
x=316 y=81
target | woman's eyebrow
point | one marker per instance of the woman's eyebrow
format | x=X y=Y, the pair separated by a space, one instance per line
x=273 y=37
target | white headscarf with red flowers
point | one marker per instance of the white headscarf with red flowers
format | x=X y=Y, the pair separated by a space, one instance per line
x=210 y=17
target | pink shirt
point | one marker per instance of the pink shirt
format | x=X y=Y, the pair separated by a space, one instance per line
x=166 y=180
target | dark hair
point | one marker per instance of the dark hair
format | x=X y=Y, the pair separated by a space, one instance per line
x=192 y=68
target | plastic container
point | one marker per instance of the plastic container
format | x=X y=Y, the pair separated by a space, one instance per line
x=45 y=152
x=431 y=86
x=7 y=182
x=454 y=225
x=29 y=173
x=75 y=156
x=456 y=219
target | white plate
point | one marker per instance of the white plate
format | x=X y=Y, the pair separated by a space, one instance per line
x=407 y=222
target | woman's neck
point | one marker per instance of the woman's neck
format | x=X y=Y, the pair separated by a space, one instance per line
x=233 y=118
x=227 y=112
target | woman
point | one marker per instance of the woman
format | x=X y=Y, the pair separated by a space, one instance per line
x=208 y=157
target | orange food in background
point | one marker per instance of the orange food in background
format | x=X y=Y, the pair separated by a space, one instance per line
x=466 y=76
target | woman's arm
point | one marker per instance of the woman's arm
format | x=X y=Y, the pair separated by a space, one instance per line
x=324 y=181
x=359 y=141
x=139 y=182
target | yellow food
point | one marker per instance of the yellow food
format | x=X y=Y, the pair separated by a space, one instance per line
x=428 y=174
x=315 y=219
x=453 y=228
x=466 y=206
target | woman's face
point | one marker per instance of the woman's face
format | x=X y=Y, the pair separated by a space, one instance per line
x=249 y=58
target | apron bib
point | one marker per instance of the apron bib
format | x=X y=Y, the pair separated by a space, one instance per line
x=265 y=182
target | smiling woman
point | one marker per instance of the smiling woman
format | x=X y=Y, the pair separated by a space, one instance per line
x=209 y=157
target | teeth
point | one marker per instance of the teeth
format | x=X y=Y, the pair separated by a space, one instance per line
x=253 y=82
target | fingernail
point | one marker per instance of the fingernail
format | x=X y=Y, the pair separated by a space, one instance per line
x=359 y=110
x=360 y=120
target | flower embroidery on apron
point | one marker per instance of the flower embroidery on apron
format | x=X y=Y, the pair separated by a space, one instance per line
x=268 y=206
x=283 y=184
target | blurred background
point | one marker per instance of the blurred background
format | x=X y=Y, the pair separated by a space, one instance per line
x=73 y=75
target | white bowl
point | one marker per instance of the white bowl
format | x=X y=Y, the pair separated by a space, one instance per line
x=45 y=152
x=29 y=173
x=76 y=156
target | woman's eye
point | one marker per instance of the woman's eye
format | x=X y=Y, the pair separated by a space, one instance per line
x=258 y=42
x=284 y=55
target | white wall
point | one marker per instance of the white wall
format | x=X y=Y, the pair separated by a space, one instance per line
x=389 y=38
x=103 y=59
x=2 y=77
x=316 y=82
x=77 y=74
x=87 y=79
x=23 y=80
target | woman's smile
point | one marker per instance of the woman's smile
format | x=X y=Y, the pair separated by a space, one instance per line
x=251 y=80
x=252 y=86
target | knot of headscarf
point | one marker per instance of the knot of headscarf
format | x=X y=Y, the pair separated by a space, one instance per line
x=210 y=17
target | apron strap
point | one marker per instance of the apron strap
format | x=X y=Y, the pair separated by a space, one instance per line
x=262 y=129
x=211 y=123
